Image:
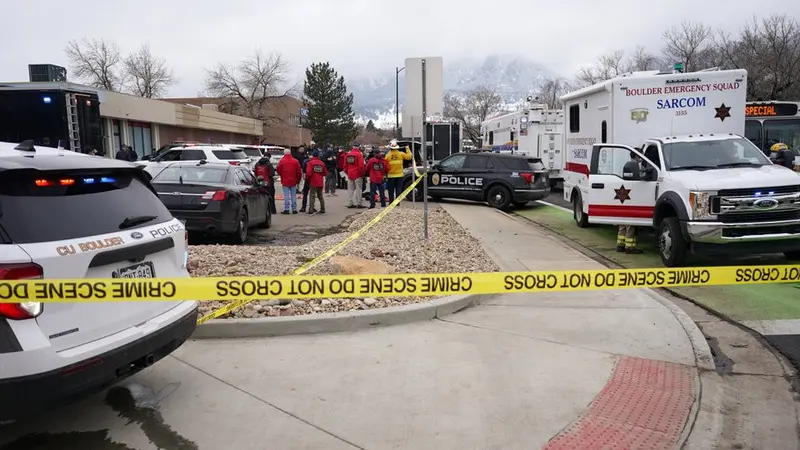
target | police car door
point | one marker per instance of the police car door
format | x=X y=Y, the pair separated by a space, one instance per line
x=473 y=173
x=444 y=181
x=612 y=199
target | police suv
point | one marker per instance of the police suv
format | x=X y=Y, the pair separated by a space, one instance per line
x=501 y=180
x=67 y=215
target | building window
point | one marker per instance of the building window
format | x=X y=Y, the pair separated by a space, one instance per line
x=117 y=139
x=294 y=120
x=574 y=118
x=141 y=139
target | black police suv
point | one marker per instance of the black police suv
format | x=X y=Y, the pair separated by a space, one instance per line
x=499 y=179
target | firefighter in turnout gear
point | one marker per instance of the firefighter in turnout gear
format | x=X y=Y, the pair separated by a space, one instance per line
x=626 y=234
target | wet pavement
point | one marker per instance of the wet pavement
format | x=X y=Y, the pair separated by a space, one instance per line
x=511 y=374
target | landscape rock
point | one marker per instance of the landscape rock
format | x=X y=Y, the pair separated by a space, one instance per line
x=450 y=249
x=352 y=265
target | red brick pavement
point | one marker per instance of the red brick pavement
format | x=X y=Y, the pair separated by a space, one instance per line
x=645 y=405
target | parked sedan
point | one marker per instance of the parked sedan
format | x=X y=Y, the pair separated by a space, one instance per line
x=216 y=199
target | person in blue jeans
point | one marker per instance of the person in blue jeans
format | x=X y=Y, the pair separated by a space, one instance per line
x=289 y=171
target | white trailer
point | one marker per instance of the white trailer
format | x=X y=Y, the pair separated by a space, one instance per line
x=534 y=131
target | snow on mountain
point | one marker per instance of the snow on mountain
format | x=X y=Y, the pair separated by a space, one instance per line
x=514 y=77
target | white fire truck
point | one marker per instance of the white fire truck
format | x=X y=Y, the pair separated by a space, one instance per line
x=534 y=131
x=702 y=186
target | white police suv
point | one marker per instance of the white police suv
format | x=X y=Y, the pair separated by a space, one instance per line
x=64 y=215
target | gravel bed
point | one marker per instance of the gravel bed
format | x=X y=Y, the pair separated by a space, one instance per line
x=395 y=240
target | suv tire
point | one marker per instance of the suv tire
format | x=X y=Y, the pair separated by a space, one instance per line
x=672 y=246
x=240 y=235
x=416 y=194
x=499 y=197
x=267 y=221
x=581 y=219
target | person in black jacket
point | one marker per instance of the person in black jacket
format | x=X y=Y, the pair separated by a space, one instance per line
x=303 y=158
x=332 y=179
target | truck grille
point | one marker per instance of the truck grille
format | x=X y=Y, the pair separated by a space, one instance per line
x=752 y=192
x=759 y=216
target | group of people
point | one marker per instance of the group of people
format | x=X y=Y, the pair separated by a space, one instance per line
x=324 y=171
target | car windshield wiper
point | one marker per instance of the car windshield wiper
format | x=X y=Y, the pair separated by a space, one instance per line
x=740 y=164
x=692 y=168
x=136 y=220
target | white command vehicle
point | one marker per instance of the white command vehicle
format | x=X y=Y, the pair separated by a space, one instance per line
x=64 y=215
x=702 y=186
x=535 y=131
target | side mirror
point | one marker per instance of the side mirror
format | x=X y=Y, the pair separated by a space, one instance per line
x=631 y=171
x=436 y=167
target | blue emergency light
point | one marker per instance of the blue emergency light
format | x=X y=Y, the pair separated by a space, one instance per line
x=47 y=100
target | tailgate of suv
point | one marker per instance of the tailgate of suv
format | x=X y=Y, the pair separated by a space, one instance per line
x=72 y=232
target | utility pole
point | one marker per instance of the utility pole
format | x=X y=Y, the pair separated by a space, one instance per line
x=424 y=156
x=397 y=71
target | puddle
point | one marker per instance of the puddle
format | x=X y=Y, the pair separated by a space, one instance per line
x=722 y=364
x=136 y=403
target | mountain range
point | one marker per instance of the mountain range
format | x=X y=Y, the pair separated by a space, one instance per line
x=514 y=77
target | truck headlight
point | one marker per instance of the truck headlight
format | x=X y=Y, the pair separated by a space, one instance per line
x=701 y=205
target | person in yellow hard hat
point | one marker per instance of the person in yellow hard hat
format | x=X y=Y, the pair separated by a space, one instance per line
x=778 y=153
x=395 y=174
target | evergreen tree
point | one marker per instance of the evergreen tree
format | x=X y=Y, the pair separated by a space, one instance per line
x=370 y=126
x=330 y=112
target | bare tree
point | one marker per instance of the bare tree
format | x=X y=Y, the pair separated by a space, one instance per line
x=96 y=62
x=607 y=66
x=148 y=75
x=472 y=108
x=551 y=90
x=250 y=85
x=770 y=51
x=690 y=43
x=641 y=60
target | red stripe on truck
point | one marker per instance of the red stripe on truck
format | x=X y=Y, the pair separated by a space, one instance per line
x=579 y=168
x=631 y=212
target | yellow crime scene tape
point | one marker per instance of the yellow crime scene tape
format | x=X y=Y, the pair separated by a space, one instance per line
x=239 y=302
x=394 y=285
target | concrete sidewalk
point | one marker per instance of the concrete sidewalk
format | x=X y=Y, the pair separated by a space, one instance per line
x=606 y=369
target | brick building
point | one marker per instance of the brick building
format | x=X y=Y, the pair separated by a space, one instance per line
x=282 y=118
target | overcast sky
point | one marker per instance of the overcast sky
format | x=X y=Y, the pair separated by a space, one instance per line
x=359 y=37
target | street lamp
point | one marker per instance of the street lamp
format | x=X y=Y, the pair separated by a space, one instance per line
x=397 y=71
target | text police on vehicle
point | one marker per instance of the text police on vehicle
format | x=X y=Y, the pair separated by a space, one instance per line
x=498 y=179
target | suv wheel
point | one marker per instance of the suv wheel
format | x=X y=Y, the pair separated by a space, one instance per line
x=671 y=244
x=416 y=194
x=240 y=236
x=792 y=256
x=581 y=219
x=499 y=197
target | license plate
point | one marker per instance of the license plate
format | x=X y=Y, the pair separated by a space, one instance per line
x=142 y=270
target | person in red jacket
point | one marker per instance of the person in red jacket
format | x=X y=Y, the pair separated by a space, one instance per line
x=354 y=168
x=377 y=168
x=315 y=177
x=340 y=164
x=265 y=170
x=290 y=172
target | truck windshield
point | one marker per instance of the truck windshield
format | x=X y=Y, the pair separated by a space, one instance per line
x=705 y=155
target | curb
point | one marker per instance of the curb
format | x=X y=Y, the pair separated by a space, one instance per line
x=335 y=322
